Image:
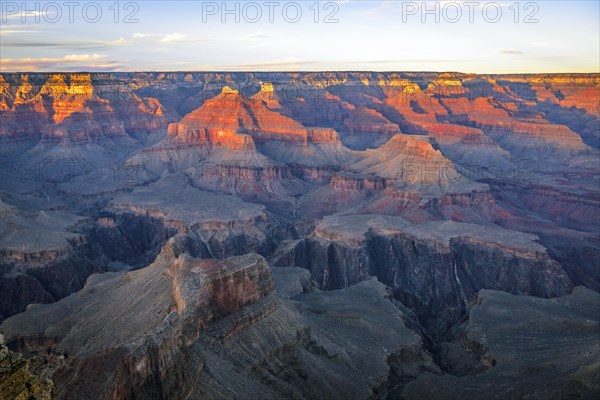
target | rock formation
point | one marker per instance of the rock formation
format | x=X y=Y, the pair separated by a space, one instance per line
x=435 y=268
x=326 y=235
x=16 y=379
x=171 y=341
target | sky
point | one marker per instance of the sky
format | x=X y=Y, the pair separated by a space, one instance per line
x=462 y=36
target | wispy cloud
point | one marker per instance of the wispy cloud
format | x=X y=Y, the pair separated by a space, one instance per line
x=138 y=35
x=70 y=62
x=67 y=44
x=166 y=38
x=26 y=16
x=7 y=30
x=511 y=51
x=174 y=38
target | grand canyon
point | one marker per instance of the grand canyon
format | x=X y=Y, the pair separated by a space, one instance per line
x=309 y=235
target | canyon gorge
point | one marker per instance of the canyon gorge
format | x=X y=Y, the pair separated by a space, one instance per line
x=310 y=235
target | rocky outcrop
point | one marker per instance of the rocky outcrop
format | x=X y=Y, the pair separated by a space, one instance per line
x=182 y=326
x=515 y=134
x=348 y=182
x=193 y=293
x=229 y=113
x=16 y=379
x=241 y=146
x=406 y=160
x=435 y=268
x=79 y=107
x=233 y=121
x=226 y=225
x=271 y=99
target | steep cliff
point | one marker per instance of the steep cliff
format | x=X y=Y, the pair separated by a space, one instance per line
x=434 y=268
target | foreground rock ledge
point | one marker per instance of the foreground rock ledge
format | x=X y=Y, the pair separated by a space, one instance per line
x=217 y=329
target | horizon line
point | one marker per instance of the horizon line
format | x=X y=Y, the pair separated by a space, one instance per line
x=298 y=72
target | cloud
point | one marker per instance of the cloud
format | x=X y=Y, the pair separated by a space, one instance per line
x=16 y=29
x=180 y=38
x=511 y=51
x=28 y=15
x=70 y=62
x=83 y=57
x=6 y=32
x=167 y=38
x=174 y=38
x=138 y=35
x=69 y=45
